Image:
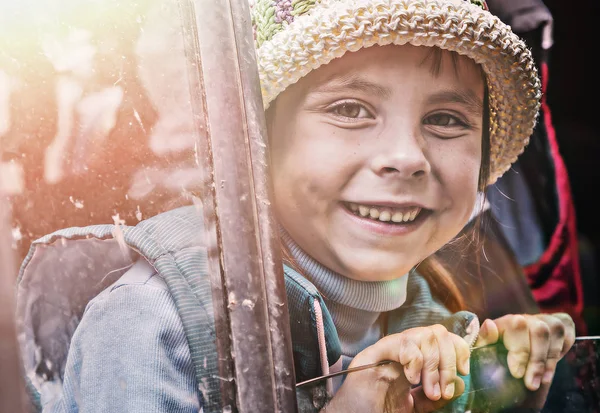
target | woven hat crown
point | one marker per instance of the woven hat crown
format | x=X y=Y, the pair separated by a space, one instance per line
x=269 y=17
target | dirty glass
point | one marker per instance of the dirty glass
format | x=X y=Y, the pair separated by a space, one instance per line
x=125 y=130
x=492 y=389
x=132 y=141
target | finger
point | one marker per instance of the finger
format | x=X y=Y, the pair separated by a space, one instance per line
x=387 y=349
x=570 y=331
x=488 y=334
x=430 y=375
x=422 y=404
x=557 y=338
x=400 y=348
x=447 y=362
x=390 y=348
x=539 y=336
x=463 y=354
x=514 y=333
x=411 y=359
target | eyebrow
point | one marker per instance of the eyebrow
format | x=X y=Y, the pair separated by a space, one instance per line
x=464 y=97
x=353 y=82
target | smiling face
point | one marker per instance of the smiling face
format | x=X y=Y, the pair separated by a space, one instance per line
x=376 y=158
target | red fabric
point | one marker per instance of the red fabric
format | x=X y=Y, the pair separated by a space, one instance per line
x=556 y=278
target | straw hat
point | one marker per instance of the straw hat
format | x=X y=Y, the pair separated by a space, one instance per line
x=294 y=37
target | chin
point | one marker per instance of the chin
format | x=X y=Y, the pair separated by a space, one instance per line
x=374 y=271
x=374 y=265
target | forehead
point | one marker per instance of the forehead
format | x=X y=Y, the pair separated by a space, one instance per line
x=391 y=65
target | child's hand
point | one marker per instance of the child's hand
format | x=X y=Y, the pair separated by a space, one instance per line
x=535 y=343
x=430 y=356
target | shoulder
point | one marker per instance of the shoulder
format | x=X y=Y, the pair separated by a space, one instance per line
x=140 y=279
x=130 y=351
x=137 y=308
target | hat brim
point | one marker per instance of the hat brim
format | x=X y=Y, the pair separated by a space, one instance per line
x=331 y=29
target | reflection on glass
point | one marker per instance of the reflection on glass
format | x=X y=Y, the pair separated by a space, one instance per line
x=96 y=122
x=97 y=136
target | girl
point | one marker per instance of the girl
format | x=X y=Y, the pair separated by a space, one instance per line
x=386 y=118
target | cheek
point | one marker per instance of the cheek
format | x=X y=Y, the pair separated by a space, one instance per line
x=313 y=158
x=304 y=172
x=460 y=166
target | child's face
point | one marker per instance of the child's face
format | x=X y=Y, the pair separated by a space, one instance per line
x=379 y=132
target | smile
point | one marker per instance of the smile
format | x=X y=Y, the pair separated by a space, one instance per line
x=384 y=214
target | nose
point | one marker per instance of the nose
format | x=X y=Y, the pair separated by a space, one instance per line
x=403 y=155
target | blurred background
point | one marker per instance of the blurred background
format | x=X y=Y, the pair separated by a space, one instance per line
x=572 y=92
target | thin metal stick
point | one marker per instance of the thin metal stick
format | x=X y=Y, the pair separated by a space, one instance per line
x=381 y=363
x=352 y=370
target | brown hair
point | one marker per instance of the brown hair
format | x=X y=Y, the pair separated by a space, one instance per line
x=442 y=283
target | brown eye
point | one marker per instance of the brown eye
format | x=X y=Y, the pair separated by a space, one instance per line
x=351 y=110
x=443 y=119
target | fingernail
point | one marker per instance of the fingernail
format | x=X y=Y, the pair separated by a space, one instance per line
x=520 y=372
x=536 y=382
x=449 y=392
x=436 y=390
x=548 y=376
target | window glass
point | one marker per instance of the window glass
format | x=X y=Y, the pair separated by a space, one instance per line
x=98 y=141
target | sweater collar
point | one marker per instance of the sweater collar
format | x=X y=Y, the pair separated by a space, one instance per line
x=374 y=296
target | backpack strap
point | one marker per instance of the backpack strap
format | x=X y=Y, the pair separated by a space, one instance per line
x=302 y=296
x=174 y=244
x=315 y=342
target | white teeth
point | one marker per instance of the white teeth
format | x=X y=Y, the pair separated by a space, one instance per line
x=385 y=216
x=397 y=217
